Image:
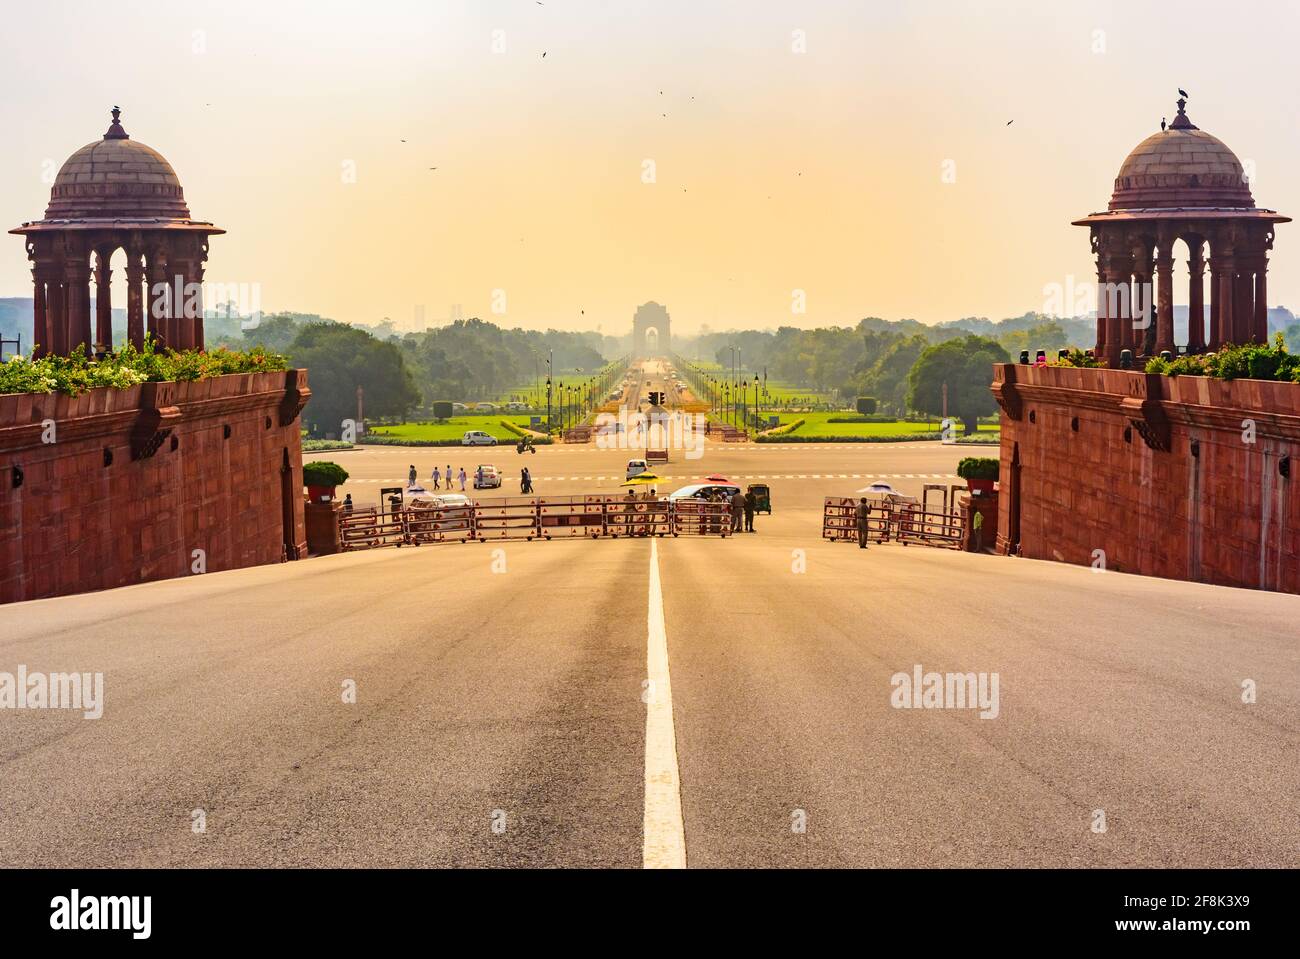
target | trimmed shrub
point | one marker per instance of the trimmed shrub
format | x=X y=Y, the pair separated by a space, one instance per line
x=323 y=473
x=866 y=404
x=442 y=410
x=785 y=429
x=979 y=468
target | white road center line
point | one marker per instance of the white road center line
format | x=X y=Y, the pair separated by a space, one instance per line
x=664 y=843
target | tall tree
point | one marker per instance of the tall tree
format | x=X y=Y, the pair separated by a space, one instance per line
x=340 y=358
x=966 y=366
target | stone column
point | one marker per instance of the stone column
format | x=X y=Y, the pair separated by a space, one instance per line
x=135 y=274
x=1243 y=300
x=1165 y=300
x=1115 y=292
x=1261 y=301
x=57 y=316
x=40 y=330
x=1225 y=271
x=196 y=277
x=103 y=300
x=79 y=329
x=157 y=297
x=1142 y=324
x=1103 y=322
x=180 y=270
x=1195 y=297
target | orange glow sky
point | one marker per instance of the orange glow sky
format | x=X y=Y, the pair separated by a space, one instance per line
x=775 y=170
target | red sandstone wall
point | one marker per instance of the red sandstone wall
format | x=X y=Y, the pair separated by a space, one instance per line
x=1225 y=516
x=76 y=524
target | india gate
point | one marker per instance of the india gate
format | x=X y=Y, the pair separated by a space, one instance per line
x=652 y=316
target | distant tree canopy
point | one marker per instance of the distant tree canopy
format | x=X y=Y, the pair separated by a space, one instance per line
x=966 y=366
x=340 y=358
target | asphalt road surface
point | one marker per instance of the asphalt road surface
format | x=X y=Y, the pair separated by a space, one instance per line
x=510 y=709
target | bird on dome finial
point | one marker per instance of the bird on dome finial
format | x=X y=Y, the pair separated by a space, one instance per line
x=115 y=131
x=1181 y=122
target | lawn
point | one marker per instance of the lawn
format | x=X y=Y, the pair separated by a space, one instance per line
x=817 y=424
x=453 y=428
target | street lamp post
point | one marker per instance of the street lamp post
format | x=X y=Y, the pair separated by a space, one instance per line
x=550 y=355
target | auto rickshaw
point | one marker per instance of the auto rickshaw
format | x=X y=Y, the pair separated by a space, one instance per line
x=761 y=496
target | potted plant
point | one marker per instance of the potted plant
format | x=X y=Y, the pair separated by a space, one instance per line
x=979 y=472
x=321 y=478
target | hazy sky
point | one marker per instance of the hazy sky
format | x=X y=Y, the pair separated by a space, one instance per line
x=775 y=170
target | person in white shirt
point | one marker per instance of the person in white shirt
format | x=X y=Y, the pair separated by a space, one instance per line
x=438 y=476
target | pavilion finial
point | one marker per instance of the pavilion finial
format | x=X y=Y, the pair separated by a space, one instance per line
x=1181 y=122
x=115 y=131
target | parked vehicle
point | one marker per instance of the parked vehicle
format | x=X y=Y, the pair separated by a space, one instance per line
x=477 y=438
x=636 y=468
x=705 y=491
x=487 y=477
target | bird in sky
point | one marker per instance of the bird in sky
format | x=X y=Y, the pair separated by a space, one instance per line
x=543 y=54
x=1009 y=122
x=1162 y=123
x=1182 y=92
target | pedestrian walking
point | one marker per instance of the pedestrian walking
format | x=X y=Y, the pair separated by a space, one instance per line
x=412 y=477
x=347 y=503
x=438 y=476
x=525 y=481
x=749 y=512
x=478 y=478
x=860 y=514
x=462 y=478
x=737 y=511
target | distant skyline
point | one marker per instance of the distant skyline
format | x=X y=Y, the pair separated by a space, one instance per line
x=776 y=171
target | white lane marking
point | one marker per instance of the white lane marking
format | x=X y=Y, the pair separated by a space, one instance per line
x=664 y=843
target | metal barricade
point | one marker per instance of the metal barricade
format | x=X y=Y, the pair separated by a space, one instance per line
x=840 y=520
x=366 y=527
x=694 y=517
x=640 y=517
x=565 y=516
x=429 y=523
x=506 y=517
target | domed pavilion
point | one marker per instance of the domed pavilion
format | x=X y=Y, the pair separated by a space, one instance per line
x=116 y=193
x=1180 y=184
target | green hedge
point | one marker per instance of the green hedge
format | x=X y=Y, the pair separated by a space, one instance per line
x=129 y=367
x=373 y=439
x=320 y=446
x=809 y=438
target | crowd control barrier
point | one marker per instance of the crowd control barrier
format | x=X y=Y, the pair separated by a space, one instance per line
x=418 y=521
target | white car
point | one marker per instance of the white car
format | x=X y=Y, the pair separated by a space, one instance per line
x=705 y=491
x=636 y=468
x=487 y=477
x=477 y=438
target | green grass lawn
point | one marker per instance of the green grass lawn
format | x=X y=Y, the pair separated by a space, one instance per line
x=816 y=424
x=453 y=428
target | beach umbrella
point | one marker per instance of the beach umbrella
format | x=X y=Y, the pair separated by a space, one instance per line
x=642 y=479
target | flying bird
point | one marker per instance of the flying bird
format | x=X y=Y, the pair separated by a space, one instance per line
x=1182 y=92
x=543 y=54
x=1009 y=122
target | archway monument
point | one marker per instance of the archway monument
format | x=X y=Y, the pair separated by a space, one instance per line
x=651 y=316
